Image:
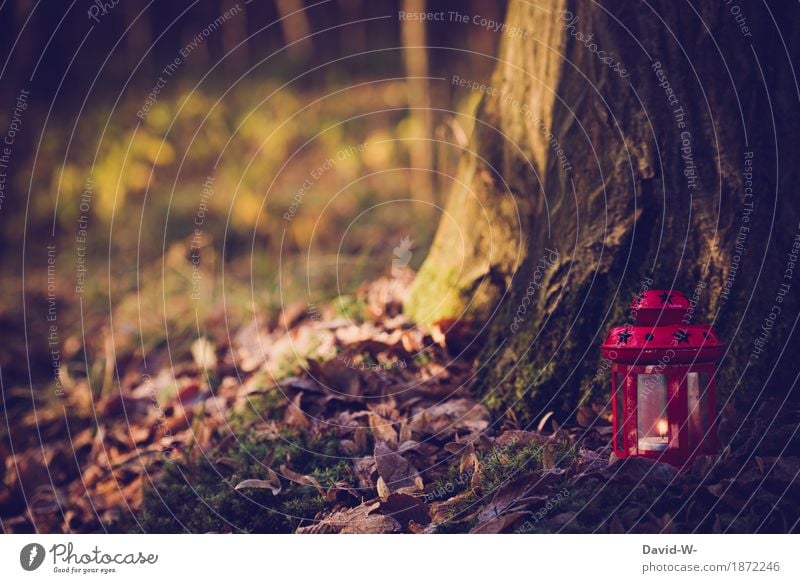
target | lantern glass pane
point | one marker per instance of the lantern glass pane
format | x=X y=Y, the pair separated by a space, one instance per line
x=651 y=390
x=697 y=403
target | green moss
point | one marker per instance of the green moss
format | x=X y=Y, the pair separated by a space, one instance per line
x=512 y=461
x=451 y=485
x=434 y=295
x=514 y=397
x=265 y=404
x=354 y=308
x=422 y=359
x=201 y=497
x=534 y=363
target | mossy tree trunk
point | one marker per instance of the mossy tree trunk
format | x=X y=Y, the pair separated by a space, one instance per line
x=660 y=151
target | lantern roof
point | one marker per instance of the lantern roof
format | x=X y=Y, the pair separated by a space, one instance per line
x=661 y=333
x=659 y=306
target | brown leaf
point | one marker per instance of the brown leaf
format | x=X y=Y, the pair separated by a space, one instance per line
x=468 y=461
x=586 y=416
x=450 y=416
x=360 y=437
x=544 y=419
x=519 y=493
x=548 y=457
x=405 y=431
x=499 y=524
x=382 y=429
x=456 y=447
x=298 y=478
x=273 y=483
x=405 y=508
x=411 y=340
x=259 y=484
x=396 y=473
x=117 y=404
x=639 y=470
x=365 y=469
x=339 y=489
x=231 y=463
x=26 y=471
x=188 y=393
x=589 y=461
x=455 y=334
x=294 y=416
x=372 y=524
x=409 y=445
x=383 y=489
x=291 y=315
x=204 y=354
x=444 y=511
x=336 y=376
x=358 y=520
x=519 y=438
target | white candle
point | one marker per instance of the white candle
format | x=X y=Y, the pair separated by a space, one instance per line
x=659 y=443
x=653 y=443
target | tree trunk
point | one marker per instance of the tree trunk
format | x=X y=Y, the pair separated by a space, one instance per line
x=625 y=145
x=415 y=57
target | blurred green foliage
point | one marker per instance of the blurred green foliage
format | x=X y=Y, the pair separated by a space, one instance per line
x=259 y=142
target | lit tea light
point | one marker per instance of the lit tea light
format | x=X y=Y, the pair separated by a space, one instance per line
x=659 y=443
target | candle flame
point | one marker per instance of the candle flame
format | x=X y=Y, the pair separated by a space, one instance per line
x=662 y=427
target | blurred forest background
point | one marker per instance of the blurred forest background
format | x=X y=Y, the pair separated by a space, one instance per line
x=258 y=95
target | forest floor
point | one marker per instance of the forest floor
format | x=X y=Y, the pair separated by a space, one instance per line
x=348 y=418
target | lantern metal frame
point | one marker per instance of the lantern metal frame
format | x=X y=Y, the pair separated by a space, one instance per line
x=685 y=357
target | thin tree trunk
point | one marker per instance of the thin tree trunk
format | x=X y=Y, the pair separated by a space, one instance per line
x=138 y=39
x=416 y=64
x=234 y=34
x=296 y=28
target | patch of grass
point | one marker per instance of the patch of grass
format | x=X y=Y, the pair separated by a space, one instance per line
x=501 y=465
x=512 y=461
x=201 y=497
x=451 y=485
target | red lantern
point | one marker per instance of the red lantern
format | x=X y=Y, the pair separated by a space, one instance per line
x=663 y=386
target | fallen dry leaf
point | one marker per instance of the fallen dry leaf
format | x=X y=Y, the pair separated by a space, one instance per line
x=204 y=354
x=298 y=478
x=449 y=417
x=396 y=474
x=382 y=429
x=358 y=520
x=406 y=508
x=294 y=415
x=273 y=483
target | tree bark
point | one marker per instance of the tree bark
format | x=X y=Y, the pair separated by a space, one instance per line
x=625 y=145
